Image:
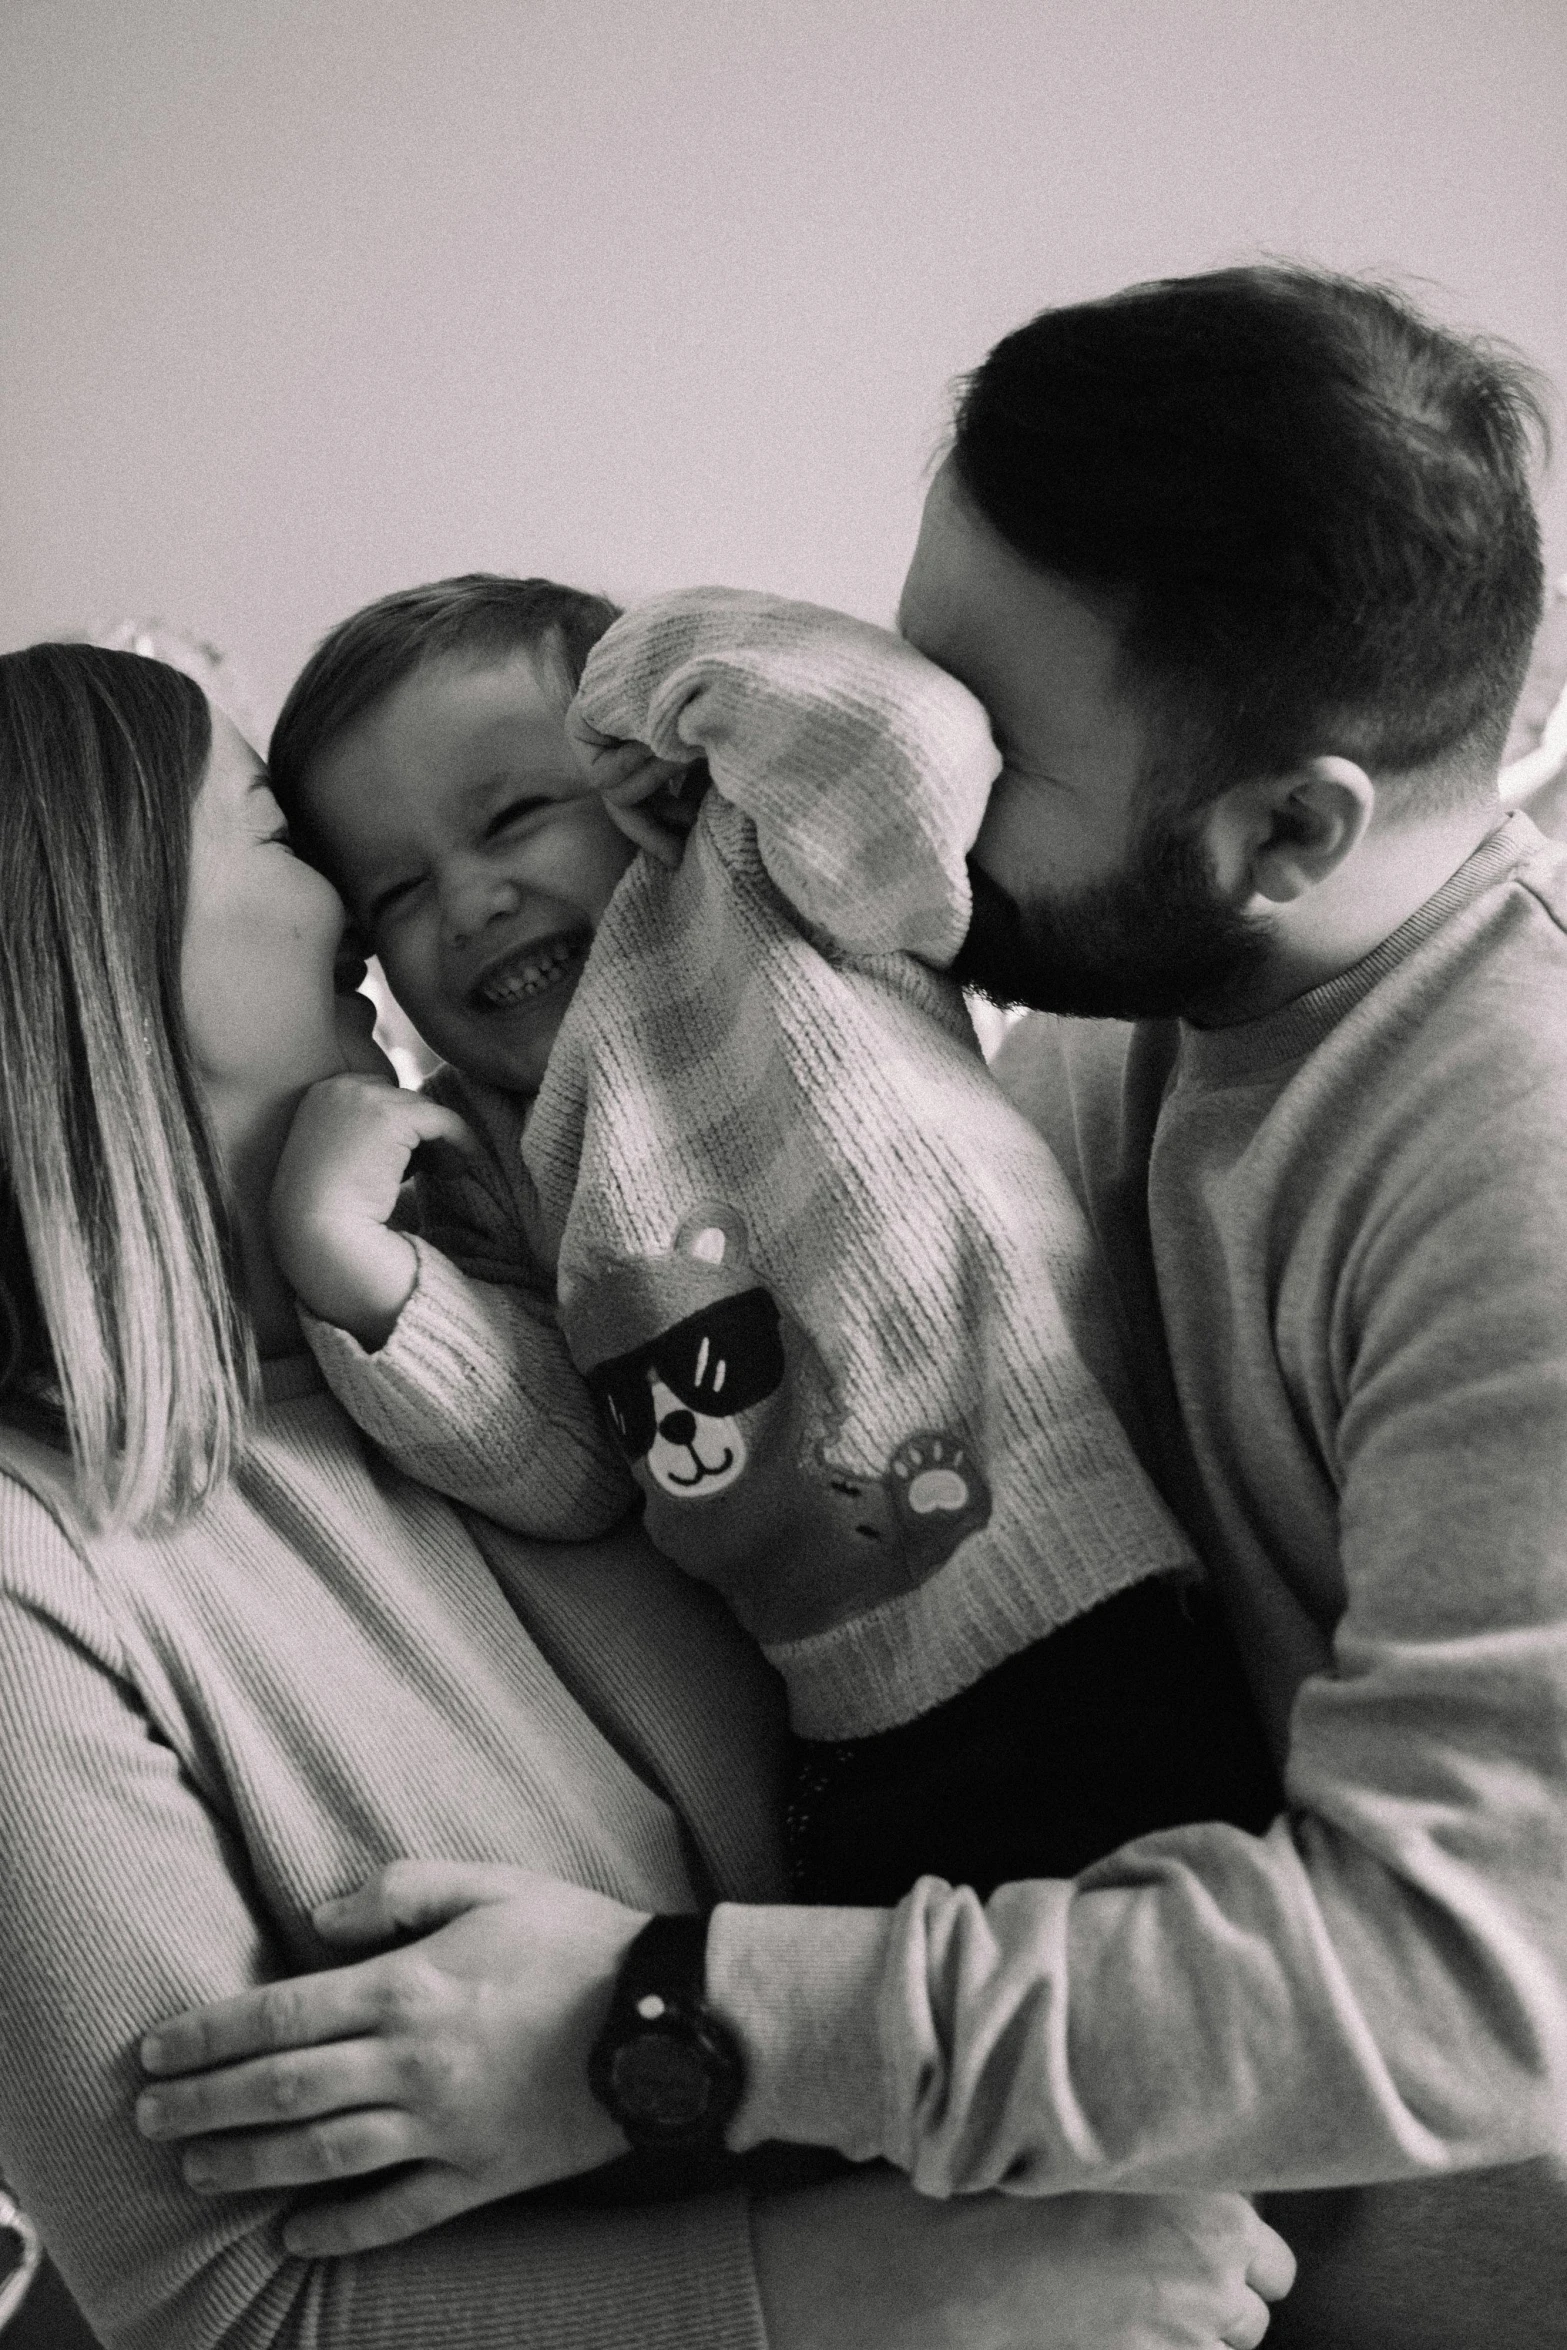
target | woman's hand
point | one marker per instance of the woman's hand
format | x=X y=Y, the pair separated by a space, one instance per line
x=334 y=1192
x=653 y=801
x=464 y=2054
x=869 y=2262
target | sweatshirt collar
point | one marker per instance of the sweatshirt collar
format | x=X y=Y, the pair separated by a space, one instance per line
x=1215 y=1055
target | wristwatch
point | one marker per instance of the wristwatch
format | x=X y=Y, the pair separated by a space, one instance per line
x=664 y=2066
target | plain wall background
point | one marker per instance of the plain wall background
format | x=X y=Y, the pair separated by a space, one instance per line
x=302 y=300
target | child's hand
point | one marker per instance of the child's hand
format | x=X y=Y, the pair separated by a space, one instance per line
x=653 y=801
x=336 y=1186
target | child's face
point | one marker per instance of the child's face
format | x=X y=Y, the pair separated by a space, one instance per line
x=453 y=817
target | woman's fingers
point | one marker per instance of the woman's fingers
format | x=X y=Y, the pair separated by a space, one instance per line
x=296 y=2013
x=421 y=2199
x=344 y=2146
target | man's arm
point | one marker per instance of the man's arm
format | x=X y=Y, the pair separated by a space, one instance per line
x=1375 y=1990
x=128 y=1899
x=864 y=768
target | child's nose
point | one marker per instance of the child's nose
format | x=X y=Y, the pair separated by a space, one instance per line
x=472 y=899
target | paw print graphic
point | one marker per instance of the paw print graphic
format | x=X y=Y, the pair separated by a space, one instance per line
x=938 y=1494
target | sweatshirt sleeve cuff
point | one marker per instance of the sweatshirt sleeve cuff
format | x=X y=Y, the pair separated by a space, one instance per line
x=433 y=1322
x=799 y=1988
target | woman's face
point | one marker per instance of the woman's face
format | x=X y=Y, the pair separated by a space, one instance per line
x=269 y=990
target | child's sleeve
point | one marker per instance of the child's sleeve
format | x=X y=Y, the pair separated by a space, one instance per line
x=864 y=768
x=474 y=1392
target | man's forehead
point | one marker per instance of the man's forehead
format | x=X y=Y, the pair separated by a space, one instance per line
x=1015 y=634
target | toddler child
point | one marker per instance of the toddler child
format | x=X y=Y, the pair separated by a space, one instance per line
x=748 y=1226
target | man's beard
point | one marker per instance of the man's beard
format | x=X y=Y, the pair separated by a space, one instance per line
x=1154 y=940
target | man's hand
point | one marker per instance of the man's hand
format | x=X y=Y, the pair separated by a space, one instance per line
x=653 y=801
x=336 y=1186
x=464 y=2054
x=871 y=2263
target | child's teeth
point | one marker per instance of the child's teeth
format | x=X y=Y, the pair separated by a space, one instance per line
x=527 y=978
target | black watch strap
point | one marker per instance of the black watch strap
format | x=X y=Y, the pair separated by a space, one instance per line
x=664 y=2065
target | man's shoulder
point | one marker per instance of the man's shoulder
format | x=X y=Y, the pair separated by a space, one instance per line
x=1541 y=874
x=1091 y=1089
x=1483 y=989
x=1051 y=1066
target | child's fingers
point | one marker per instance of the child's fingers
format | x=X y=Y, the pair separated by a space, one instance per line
x=432 y=1122
x=644 y=777
x=648 y=832
x=600 y=755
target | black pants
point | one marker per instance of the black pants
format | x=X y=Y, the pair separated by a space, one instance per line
x=1133 y=1717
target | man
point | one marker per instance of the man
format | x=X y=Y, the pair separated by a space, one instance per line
x=1245 y=570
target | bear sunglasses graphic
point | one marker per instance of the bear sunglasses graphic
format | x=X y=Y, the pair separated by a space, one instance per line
x=676 y=1401
x=725 y=1408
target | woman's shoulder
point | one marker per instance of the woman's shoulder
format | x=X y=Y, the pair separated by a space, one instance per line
x=38 y=1484
x=45 y=1563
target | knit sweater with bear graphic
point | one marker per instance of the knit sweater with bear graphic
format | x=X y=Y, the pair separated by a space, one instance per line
x=827 y=1288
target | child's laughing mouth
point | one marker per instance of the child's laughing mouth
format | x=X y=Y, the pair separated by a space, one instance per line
x=530 y=971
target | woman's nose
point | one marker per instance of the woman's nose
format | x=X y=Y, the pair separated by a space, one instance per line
x=472 y=899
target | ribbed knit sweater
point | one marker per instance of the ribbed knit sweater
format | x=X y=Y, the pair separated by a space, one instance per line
x=1339 y=1236
x=204 y=1734
x=829 y=1285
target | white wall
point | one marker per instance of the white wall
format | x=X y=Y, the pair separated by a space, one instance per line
x=304 y=299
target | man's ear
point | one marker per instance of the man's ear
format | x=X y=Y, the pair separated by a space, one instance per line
x=1275 y=837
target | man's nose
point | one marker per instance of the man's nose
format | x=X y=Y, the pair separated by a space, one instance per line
x=472 y=898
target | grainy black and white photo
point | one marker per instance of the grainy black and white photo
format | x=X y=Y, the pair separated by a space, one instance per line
x=783 y=1175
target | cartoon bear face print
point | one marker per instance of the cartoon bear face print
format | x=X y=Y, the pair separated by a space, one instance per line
x=676 y=1402
x=718 y=1396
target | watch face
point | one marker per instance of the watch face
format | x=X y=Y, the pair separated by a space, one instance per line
x=661 y=2082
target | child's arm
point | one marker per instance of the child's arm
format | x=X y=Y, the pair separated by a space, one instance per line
x=464 y=1382
x=864 y=768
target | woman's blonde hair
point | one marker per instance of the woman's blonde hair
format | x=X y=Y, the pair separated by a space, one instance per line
x=120 y=1321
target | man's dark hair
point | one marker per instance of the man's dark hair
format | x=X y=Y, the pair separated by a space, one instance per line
x=1308 y=505
x=480 y=616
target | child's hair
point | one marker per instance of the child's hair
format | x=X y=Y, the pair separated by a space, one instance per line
x=482 y=615
x=119 y=1321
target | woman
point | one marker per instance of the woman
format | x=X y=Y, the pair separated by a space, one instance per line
x=243 y=1663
